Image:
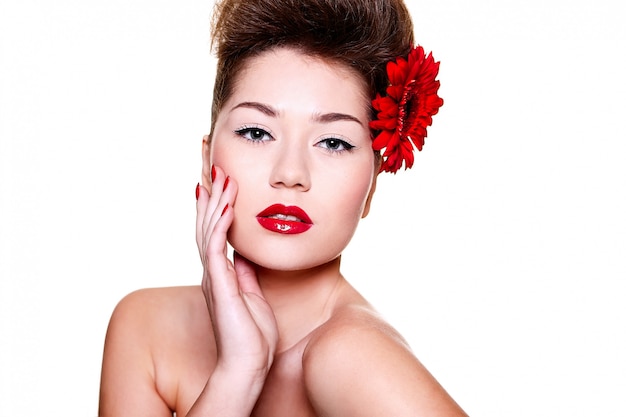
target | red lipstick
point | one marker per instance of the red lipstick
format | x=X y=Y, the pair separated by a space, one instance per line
x=287 y=220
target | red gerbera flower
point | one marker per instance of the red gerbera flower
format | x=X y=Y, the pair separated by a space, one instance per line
x=407 y=109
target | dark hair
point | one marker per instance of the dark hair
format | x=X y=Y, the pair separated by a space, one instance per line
x=362 y=34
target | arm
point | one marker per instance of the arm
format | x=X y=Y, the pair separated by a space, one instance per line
x=244 y=326
x=362 y=367
x=244 y=332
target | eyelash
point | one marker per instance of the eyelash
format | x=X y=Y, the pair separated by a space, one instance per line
x=246 y=131
x=347 y=147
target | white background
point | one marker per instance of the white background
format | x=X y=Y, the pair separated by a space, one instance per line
x=501 y=257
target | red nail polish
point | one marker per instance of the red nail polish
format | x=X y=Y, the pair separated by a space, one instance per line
x=213 y=173
x=197 y=191
x=226 y=183
x=225 y=208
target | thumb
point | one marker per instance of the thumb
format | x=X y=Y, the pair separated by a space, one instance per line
x=246 y=275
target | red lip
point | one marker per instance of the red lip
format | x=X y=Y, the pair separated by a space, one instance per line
x=267 y=218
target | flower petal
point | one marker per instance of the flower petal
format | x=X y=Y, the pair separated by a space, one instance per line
x=407 y=109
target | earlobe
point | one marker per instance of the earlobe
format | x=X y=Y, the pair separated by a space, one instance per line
x=206 y=161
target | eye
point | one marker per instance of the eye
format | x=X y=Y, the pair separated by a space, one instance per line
x=254 y=134
x=335 y=145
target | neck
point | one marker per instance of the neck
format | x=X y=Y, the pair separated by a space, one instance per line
x=301 y=300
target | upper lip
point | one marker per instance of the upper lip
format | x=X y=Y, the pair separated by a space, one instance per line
x=277 y=209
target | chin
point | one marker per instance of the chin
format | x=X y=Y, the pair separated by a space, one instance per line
x=286 y=263
x=284 y=259
x=288 y=253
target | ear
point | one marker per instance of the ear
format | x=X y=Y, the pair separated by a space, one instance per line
x=368 y=202
x=206 y=161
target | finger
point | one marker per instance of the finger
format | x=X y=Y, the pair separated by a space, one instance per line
x=265 y=320
x=206 y=203
x=207 y=216
x=226 y=199
x=246 y=275
x=216 y=204
x=202 y=198
x=222 y=274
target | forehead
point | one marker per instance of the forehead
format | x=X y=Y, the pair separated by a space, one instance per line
x=287 y=76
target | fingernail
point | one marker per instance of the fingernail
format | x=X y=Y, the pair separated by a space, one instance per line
x=197 y=191
x=212 y=172
x=226 y=183
x=225 y=208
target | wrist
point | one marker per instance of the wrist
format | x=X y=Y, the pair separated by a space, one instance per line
x=229 y=394
x=239 y=381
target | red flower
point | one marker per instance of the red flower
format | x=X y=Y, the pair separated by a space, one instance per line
x=407 y=109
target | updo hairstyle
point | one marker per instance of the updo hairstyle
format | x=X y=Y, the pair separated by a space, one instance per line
x=361 y=34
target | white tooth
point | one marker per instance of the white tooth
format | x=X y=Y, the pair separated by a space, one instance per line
x=285 y=217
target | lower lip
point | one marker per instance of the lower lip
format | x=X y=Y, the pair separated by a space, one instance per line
x=285 y=227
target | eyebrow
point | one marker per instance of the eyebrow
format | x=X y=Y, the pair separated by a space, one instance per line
x=320 y=118
x=263 y=108
x=335 y=117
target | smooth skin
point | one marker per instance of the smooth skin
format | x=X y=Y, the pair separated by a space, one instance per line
x=277 y=331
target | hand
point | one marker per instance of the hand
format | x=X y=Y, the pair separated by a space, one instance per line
x=243 y=322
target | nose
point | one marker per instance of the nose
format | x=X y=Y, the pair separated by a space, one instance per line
x=291 y=167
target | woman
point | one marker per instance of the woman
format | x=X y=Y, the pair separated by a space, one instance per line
x=289 y=168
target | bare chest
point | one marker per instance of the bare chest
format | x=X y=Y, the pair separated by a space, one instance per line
x=284 y=392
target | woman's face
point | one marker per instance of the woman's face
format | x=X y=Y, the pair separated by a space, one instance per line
x=294 y=134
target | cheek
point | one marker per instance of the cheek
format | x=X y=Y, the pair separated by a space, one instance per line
x=219 y=155
x=351 y=197
x=359 y=198
x=232 y=167
x=238 y=159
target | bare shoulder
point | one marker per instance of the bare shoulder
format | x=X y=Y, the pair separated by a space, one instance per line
x=161 y=325
x=147 y=304
x=160 y=296
x=151 y=313
x=146 y=342
x=357 y=364
x=350 y=324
